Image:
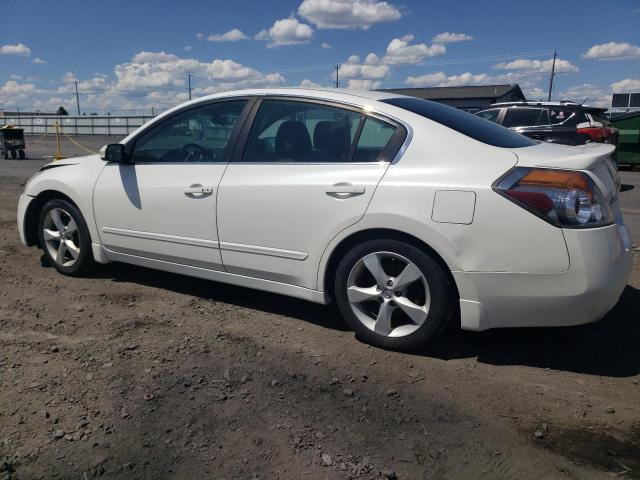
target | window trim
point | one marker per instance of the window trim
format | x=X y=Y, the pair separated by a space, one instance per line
x=228 y=150
x=390 y=154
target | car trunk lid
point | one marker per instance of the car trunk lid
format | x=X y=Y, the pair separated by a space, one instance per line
x=592 y=157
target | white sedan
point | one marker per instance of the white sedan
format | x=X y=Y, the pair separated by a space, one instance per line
x=409 y=214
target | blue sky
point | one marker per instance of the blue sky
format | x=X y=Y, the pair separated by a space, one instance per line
x=131 y=56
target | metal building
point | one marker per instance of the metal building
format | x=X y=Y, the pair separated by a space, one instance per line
x=469 y=98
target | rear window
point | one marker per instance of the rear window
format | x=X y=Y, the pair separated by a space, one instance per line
x=463 y=122
x=525 y=117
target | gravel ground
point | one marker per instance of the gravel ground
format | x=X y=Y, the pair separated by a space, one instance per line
x=133 y=373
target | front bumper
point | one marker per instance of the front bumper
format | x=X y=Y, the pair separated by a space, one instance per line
x=601 y=261
x=23 y=205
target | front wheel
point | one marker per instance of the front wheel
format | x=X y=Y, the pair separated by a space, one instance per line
x=393 y=294
x=64 y=238
x=21 y=154
x=14 y=154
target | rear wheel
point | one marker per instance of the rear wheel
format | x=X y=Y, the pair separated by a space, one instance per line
x=21 y=154
x=14 y=154
x=393 y=294
x=64 y=238
x=5 y=154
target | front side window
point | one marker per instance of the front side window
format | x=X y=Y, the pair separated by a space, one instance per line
x=491 y=115
x=525 y=117
x=292 y=131
x=199 y=134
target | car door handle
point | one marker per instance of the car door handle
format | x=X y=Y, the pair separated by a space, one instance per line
x=344 y=190
x=198 y=191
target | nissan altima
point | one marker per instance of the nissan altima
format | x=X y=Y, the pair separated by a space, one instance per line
x=409 y=214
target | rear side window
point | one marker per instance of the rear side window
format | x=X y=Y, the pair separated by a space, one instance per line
x=293 y=131
x=374 y=138
x=463 y=122
x=559 y=115
x=491 y=115
x=525 y=117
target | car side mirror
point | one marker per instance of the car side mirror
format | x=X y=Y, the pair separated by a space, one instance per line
x=114 y=152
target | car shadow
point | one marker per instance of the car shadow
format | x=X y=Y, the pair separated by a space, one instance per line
x=323 y=315
x=608 y=347
x=626 y=187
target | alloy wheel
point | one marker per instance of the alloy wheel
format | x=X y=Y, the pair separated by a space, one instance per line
x=388 y=294
x=60 y=233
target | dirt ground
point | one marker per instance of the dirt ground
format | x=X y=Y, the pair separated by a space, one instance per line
x=133 y=373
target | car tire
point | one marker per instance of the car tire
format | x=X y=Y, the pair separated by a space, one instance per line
x=14 y=154
x=64 y=238
x=397 y=315
x=21 y=154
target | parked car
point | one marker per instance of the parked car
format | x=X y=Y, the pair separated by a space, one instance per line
x=409 y=214
x=568 y=123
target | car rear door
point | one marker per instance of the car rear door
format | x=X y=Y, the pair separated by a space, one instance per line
x=307 y=171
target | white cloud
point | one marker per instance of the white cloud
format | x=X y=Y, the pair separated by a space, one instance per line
x=325 y=45
x=535 y=93
x=234 y=35
x=39 y=61
x=628 y=85
x=371 y=69
x=612 y=50
x=361 y=84
x=17 y=49
x=348 y=14
x=447 y=37
x=199 y=35
x=400 y=50
x=537 y=66
x=188 y=48
x=587 y=92
x=309 y=84
x=153 y=70
x=441 y=79
x=288 y=31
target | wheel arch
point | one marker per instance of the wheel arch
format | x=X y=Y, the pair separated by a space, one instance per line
x=353 y=239
x=33 y=214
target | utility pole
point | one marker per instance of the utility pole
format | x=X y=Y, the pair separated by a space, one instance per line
x=337 y=76
x=153 y=113
x=553 y=72
x=189 y=77
x=77 y=97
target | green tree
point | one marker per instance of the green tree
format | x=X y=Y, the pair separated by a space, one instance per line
x=62 y=111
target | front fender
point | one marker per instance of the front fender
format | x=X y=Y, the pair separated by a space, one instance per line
x=74 y=179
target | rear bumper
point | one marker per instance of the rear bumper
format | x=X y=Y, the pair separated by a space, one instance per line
x=601 y=261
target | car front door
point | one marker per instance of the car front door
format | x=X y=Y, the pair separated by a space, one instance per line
x=162 y=203
x=307 y=171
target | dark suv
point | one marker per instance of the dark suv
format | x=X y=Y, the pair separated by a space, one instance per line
x=557 y=122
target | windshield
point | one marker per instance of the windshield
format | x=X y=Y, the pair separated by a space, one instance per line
x=470 y=125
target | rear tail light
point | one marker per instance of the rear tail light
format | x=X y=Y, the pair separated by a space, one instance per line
x=597 y=134
x=564 y=198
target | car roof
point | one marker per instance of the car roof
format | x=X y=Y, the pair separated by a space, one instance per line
x=328 y=93
x=566 y=105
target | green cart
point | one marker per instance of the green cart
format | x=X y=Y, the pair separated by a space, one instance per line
x=628 y=152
